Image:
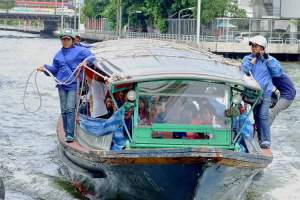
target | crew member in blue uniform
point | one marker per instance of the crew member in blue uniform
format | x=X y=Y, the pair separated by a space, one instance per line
x=260 y=65
x=65 y=62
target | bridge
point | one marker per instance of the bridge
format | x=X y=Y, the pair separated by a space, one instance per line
x=44 y=12
x=50 y=21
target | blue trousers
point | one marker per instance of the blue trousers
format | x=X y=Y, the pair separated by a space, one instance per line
x=261 y=116
x=67 y=106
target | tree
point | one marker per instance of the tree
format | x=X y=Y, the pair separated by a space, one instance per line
x=94 y=8
x=154 y=12
x=220 y=8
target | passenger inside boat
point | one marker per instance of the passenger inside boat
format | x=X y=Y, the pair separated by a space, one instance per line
x=183 y=110
x=109 y=106
x=183 y=103
x=97 y=92
x=144 y=115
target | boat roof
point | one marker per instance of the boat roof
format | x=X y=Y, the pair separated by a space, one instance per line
x=137 y=60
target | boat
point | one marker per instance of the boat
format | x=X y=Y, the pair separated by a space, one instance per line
x=186 y=146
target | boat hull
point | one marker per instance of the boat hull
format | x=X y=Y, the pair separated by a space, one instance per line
x=200 y=173
x=161 y=181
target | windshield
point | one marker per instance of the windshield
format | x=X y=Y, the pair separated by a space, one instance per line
x=183 y=102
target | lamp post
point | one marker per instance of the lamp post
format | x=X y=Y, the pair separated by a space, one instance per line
x=179 y=22
x=79 y=14
x=198 y=21
x=62 y=15
x=132 y=12
x=75 y=14
x=120 y=18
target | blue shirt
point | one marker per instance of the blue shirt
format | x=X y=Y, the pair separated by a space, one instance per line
x=285 y=86
x=66 y=61
x=261 y=71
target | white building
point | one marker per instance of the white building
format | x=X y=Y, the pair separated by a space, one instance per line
x=275 y=8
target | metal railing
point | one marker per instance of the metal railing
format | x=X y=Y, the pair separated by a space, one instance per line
x=230 y=30
x=185 y=38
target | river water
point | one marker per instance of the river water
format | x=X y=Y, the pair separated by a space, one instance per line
x=29 y=161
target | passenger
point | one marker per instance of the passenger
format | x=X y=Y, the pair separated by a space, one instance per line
x=120 y=98
x=161 y=113
x=206 y=116
x=287 y=95
x=109 y=106
x=153 y=113
x=143 y=112
x=258 y=64
x=64 y=64
x=128 y=121
x=77 y=42
x=97 y=97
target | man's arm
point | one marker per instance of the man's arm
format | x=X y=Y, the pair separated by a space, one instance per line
x=87 y=56
x=51 y=68
x=247 y=65
x=274 y=67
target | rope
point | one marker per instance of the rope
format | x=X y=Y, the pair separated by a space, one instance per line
x=37 y=89
x=66 y=82
x=58 y=82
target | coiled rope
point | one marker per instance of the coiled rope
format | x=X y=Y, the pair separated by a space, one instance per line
x=58 y=82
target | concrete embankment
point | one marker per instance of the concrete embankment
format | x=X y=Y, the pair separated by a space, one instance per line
x=281 y=51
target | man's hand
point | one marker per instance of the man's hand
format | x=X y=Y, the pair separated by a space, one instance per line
x=83 y=63
x=40 y=69
x=264 y=54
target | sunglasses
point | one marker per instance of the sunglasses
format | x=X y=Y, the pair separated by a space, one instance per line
x=254 y=45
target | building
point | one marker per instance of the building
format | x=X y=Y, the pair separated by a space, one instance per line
x=42 y=4
x=246 y=5
x=274 y=8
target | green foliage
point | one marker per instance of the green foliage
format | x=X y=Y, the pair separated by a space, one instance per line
x=211 y=9
x=94 y=8
x=154 y=12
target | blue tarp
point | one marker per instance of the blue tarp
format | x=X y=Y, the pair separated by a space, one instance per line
x=100 y=127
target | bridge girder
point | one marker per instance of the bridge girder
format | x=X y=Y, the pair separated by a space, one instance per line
x=36 y=17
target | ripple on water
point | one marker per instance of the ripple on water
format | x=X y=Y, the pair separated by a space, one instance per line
x=28 y=161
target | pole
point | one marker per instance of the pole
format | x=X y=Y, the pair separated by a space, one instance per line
x=179 y=24
x=75 y=14
x=62 y=15
x=198 y=21
x=120 y=20
x=79 y=14
x=128 y=28
x=55 y=7
x=179 y=20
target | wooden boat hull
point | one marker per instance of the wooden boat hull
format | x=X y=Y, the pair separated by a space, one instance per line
x=190 y=173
